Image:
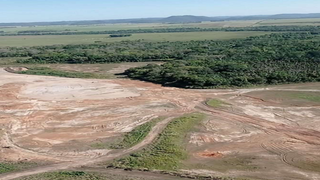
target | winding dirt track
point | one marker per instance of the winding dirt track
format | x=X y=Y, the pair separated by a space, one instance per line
x=156 y=130
x=141 y=97
x=300 y=133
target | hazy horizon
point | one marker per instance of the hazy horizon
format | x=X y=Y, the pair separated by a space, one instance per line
x=71 y=10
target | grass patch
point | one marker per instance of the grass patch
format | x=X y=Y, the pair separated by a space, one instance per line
x=100 y=145
x=225 y=164
x=65 y=175
x=6 y=167
x=216 y=103
x=129 y=139
x=81 y=175
x=136 y=135
x=313 y=97
x=6 y=61
x=167 y=151
x=45 y=71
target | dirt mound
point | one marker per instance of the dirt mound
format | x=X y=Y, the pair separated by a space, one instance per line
x=15 y=69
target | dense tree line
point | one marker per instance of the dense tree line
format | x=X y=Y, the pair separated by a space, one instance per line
x=275 y=28
x=170 y=30
x=139 y=51
x=120 y=35
x=269 y=59
x=36 y=31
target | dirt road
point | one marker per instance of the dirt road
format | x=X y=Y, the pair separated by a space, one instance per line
x=156 y=130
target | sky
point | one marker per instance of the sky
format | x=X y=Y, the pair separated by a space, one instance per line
x=65 y=10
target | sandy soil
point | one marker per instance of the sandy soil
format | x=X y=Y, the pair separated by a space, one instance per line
x=60 y=119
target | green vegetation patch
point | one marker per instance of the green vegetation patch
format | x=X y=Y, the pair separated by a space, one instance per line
x=136 y=135
x=6 y=167
x=81 y=175
x=313 y=97
x=271 y=59
x=225 y=164
x=129 y=139
x=66 y=175
x=45 y=71
x=216 y=103
x=277 y=58
x=48 y=40
x=100 y=145
x=168 y=150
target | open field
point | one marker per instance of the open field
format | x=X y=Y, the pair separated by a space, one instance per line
x=108 y=27
x=20 y=41
x=267 y=133
x=290 y=22
x=219 y=24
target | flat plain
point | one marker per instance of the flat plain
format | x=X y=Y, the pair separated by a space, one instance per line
x=106 y=27
x=290 y=22
x=21 y=41
x=219 y=24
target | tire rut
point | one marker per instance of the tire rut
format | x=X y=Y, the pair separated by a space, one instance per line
x=156 y=130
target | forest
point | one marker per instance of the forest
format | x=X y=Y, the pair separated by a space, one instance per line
x=269 y=59
x=289 y=57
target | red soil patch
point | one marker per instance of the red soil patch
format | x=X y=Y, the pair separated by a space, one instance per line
x=208 y=154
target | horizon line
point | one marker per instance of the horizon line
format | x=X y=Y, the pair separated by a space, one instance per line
x=135 y=18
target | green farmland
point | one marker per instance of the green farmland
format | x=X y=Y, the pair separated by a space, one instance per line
x=21 y=41
x=107 y=27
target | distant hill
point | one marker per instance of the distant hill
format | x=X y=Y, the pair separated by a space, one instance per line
x=171 y=19
x=185 y=19
x=266 y=17
x=89 y=22
x=295 y=16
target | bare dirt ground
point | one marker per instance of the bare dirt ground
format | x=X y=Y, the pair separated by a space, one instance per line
x=108 y=70
x=260 y=135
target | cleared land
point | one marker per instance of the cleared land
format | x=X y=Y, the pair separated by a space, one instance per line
x=290 y=22
x=20 y=41
x=268 y=133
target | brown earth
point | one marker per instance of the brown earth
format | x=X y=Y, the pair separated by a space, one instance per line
x=210 y=154
x=59 y=120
